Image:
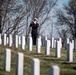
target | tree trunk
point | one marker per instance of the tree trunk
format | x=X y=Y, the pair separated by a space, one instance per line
x=0 y=23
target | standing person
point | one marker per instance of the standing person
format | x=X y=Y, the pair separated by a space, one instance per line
x=34 y=25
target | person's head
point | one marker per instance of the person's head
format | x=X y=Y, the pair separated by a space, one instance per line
x=35 y=19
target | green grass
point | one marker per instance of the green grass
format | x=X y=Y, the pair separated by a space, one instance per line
x=66 y=68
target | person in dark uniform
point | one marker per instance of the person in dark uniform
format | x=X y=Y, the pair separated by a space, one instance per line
x=34 y=25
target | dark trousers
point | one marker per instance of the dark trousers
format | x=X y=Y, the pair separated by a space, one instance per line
x=34 y=36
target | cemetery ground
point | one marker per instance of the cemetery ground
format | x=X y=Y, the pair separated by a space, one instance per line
x=46 y=61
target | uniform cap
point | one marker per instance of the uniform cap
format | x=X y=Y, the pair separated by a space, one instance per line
x=35 y=19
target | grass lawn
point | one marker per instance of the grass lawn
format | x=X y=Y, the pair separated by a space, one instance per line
x=66 y=68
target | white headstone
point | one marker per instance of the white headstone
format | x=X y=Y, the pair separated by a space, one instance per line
x=35 y=66
x=52 y=42
x=73 y=44
x=16 y=41
x=67 y=40
x=10 y=40
x=23 y=42
x=40 y=41
x=19 y=63
x=19 y=40
x=70 y=52
x=7 y=60
x=30 y=43
x=46 y=38
x=58 y=50
x=54 y=70
x=60 y=40
x=38 y=45
x=4 y=39
x=47 y=47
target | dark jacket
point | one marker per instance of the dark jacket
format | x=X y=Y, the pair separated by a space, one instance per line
x=34 y=28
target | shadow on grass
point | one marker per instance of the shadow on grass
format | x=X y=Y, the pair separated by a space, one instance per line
x=66 y=62
x=1 y=69
x=1 y=53
x=74 y=68
x=2 y=72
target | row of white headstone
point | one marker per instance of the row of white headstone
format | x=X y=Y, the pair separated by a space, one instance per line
x=21 y=41
x=35 y=64
x=69 y=45
x=69 y=49
x=57 y=50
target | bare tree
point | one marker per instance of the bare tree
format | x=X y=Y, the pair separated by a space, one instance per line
x=11 y=16
x=16 y=15
x=40 y=9
x=63 y=33
x=67 y=17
